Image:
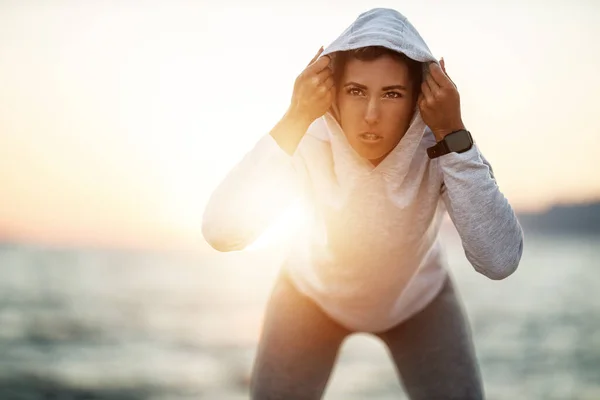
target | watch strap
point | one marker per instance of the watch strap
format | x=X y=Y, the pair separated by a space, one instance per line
x=439 y=149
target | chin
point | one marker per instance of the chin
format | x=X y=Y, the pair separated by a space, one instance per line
x=373 y=156
x=376 y=161
x=374 y=153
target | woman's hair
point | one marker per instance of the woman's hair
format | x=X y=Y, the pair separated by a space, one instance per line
x=370 y=53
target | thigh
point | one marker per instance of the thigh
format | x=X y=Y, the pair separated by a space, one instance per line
x=434 y=353
x=297 y=348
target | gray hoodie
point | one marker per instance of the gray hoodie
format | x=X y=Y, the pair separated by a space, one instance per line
x=370 y=254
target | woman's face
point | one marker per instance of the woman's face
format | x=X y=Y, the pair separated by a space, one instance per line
x=376 y=103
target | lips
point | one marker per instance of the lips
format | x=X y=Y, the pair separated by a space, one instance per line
x=370 y=136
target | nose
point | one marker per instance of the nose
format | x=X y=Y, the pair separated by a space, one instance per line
x=372 y=111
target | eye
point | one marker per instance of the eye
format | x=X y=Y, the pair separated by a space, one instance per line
x=354 y=91
x=394 y=95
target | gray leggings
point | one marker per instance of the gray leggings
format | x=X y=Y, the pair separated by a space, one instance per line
x=433 y=350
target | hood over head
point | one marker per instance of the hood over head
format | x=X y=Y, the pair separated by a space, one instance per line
x=382 y=27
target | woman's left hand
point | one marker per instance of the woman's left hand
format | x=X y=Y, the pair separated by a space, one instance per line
x=439 y=102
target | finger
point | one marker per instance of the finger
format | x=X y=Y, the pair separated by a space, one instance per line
x=456 y=87
x=439 y=76
x=443 y=64
x=427 y=96
x=323 y=75
x=328 y=84
x=318 y=65
x=317 y=79
x=420 y=99
x=431 y=84
x=422 y=102
x=316 y=56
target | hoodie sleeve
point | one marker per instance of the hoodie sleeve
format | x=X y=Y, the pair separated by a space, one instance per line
x=251 y=196
x=491 y=235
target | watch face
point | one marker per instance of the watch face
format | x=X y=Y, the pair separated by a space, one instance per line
x=458 y=141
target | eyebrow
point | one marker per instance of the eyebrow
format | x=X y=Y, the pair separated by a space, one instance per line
x=400 y=87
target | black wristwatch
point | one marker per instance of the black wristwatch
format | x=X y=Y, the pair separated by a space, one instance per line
x=457 y=141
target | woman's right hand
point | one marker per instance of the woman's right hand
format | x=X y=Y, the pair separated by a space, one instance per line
x=313 y=90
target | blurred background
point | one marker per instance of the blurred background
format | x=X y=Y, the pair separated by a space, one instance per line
x=119 y=118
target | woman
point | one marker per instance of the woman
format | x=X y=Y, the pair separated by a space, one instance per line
x=374 y=142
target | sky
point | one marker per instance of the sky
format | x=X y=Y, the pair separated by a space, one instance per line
x=119 y=118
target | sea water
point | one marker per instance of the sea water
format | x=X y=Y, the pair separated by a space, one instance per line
x=92 y=324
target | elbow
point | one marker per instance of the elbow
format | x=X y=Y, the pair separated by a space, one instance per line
x=213 y=239
x=218 y=238
x=502 y=266
x=219 y=245
x=498 y=272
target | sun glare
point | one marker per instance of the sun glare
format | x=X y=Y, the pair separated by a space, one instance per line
x=283 y=229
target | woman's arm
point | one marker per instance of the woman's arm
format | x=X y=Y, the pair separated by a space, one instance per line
x=491 y=235
x=268 y=178
x=257 y=190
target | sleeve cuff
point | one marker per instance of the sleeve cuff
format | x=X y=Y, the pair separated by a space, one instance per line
x=267 y=146
x=454 y=160
x=267 y=151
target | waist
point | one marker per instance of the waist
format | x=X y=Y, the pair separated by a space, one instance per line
x=371 y=305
